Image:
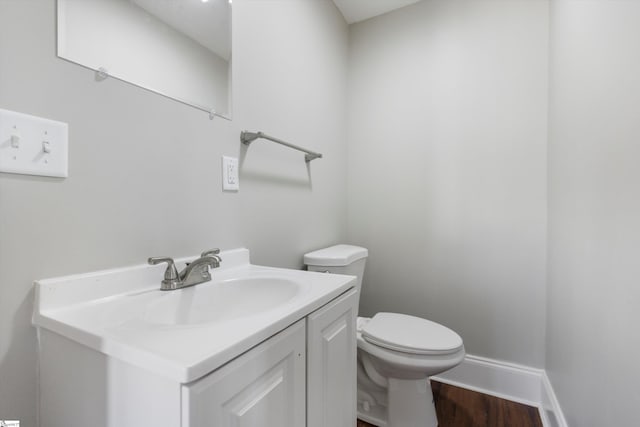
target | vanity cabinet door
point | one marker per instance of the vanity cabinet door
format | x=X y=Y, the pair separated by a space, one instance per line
x=331 y=363
x=265 y=387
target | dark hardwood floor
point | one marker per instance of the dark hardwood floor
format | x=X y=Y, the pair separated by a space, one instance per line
x=458 y=407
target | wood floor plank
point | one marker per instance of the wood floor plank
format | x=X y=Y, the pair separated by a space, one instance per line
x=459 y=407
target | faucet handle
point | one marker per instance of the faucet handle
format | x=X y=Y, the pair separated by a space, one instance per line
x=171 y=273
x=210 y=252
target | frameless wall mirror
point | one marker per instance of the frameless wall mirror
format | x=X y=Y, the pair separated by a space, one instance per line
x=177 y=48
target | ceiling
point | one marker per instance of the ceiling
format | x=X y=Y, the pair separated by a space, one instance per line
x=208 y=21
x=359 y=10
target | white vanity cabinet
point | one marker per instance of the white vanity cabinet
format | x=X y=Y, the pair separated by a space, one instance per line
x=331 y=363
x=263 y=387
x=305 y=375
x=266 y=387
x=255 y=347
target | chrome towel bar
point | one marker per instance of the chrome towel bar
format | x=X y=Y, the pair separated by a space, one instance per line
x=248 y=137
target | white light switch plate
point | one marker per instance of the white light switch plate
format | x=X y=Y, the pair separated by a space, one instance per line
x=32 y=145
x=230 y=179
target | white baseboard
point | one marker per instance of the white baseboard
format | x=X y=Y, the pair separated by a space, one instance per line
x=550 y=409
x=509 y=381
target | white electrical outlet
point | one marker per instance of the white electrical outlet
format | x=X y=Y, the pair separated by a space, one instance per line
x=32 y=145
x=230 y=180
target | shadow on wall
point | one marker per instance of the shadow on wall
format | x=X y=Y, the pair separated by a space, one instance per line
x=21 y=344
x=269 y=177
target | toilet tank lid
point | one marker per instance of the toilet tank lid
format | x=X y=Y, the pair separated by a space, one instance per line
x=335 y=256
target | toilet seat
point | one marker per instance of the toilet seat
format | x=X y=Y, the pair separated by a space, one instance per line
x=410 y=334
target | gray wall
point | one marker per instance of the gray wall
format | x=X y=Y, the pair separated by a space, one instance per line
x=594 y=211
x=145 y=171
x=447 y=175
x=447 y=168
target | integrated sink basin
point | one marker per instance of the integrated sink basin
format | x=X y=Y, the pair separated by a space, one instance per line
x=186 y=333
x=221 y=301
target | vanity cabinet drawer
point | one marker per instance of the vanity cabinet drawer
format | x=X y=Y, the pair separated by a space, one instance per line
x=263 y=387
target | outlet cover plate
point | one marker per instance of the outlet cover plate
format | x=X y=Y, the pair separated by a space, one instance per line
x=230 y=178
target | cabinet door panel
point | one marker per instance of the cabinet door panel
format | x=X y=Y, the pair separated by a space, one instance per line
x=265 y=387
x=331 y=363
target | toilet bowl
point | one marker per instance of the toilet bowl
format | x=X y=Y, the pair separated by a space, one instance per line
x=393 y=383
x=397 y=353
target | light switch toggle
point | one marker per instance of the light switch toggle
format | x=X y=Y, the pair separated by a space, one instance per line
x=46 y=147
x=15 y=139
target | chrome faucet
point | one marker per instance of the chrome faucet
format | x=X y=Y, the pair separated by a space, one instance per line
x=194 y=273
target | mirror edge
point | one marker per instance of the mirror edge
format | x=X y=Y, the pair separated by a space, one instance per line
x=105 y=72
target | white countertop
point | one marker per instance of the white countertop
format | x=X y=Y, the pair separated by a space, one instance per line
x=107 y=311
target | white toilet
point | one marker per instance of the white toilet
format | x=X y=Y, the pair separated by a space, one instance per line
x=397 y=353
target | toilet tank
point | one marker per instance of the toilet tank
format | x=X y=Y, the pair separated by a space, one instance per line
x=339 y=259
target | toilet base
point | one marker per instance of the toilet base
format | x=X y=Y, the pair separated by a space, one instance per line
x=406 y=403
x=376 y=415
x=411 y=404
